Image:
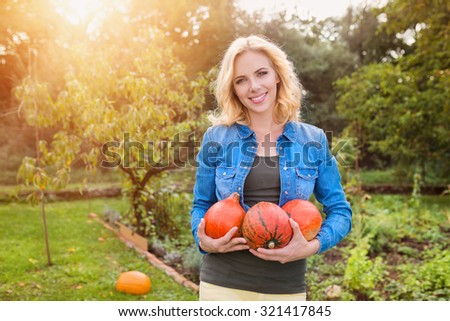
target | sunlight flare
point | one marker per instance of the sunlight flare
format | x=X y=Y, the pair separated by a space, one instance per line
x=79 y=11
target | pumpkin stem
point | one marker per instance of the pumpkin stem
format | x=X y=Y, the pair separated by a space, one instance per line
x=235 y=196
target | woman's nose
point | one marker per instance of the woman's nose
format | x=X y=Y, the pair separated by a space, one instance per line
x=254 y=85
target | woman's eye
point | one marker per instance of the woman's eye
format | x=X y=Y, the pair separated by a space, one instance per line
x=239 y=81
x=262 y=73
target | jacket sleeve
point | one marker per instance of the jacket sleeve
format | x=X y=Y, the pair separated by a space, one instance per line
x=205 y=186
x=329 y=192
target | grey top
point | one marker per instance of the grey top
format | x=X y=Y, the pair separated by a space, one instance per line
x=241 y=269
x=263 y=181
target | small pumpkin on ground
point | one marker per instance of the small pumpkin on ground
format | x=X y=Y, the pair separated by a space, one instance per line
x=223 y=216
x=266 y=225
x=133 y=282
x=306 y=215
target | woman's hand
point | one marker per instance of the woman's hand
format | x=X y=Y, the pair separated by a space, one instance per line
x=298 y=248
x=227 y=243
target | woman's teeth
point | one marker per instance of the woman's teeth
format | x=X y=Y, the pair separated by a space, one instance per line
x=259 y=99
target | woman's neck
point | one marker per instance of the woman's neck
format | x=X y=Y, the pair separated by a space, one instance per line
x=263 y=125
x=267 y=132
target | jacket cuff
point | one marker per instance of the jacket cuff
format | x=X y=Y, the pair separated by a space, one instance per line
x=324 y=241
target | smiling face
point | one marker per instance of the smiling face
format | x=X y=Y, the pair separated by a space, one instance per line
x=255 y=82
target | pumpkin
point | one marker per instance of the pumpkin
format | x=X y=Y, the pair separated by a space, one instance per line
x=133 y=282
x=306 y=215
x=223 y=216
x=266 y=225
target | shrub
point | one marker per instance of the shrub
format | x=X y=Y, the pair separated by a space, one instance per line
x=429 y=281
x=362 y=274
x=170 y=212
x=111 y=215
x=192 y=260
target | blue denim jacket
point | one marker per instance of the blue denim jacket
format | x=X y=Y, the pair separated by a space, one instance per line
x=306 y=167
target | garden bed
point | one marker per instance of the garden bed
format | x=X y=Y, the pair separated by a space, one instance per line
x=403 y=189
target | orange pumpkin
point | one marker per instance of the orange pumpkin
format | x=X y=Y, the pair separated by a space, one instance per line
x=223 y=216
x=133 y=282
x=266 y=225
x=306 y=215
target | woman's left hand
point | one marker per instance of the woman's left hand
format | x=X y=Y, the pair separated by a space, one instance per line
x=298 y=248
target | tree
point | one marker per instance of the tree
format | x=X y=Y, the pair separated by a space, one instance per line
x=133 y=114
x=22 y=30
x=400 y=108
x=49 y=170
x=199 y=28
x=360 y=30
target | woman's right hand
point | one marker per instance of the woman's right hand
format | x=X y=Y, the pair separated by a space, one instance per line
x=226 y=243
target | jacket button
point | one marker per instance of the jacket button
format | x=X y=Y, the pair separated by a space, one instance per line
x=286 y=192
x=224 y=173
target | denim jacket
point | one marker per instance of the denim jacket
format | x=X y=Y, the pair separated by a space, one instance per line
x=306 y=167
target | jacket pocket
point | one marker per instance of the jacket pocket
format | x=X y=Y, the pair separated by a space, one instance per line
x=305 y=181
x=224 y=180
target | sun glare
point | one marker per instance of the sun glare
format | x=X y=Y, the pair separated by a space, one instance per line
x=78 y=11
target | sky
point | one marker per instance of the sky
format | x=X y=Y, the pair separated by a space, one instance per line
x=320 y=9
x=79 y=10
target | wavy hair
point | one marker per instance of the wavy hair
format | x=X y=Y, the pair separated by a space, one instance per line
x=230 y=109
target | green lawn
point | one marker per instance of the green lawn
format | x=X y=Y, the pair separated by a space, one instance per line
x=389 y=176
x=87 y=258
x=374 y=176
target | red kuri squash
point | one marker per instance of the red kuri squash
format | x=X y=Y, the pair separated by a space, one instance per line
x=266 y=225
x=306 y=215
x=223 y=216
x=133 y=282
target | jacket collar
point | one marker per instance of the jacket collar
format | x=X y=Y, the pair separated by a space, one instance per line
x=289 y=131
x=244 y=131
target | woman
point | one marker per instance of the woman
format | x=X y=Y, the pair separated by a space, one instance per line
x=258 y=148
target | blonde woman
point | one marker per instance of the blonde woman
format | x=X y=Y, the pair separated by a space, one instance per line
x=258 y=147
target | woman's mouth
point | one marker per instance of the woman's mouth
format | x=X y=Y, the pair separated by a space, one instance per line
x=259 y=99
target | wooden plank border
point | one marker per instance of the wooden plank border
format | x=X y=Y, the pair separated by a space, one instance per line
x=151 y=258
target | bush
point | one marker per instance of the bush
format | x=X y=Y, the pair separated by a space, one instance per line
x=362 y=274
x=389 y=220
x=192 y=260
x=111 y=216
x=429 y=281
x=170 y=212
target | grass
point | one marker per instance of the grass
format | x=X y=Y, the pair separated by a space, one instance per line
x=179 y=180
x=391 y=177
x=87 y=258
x=377 y=176
x=80 y=179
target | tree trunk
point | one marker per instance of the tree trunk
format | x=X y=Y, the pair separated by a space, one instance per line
x=137 y=210
x=44 y=221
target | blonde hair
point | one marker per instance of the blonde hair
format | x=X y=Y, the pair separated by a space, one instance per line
x=230 y=109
